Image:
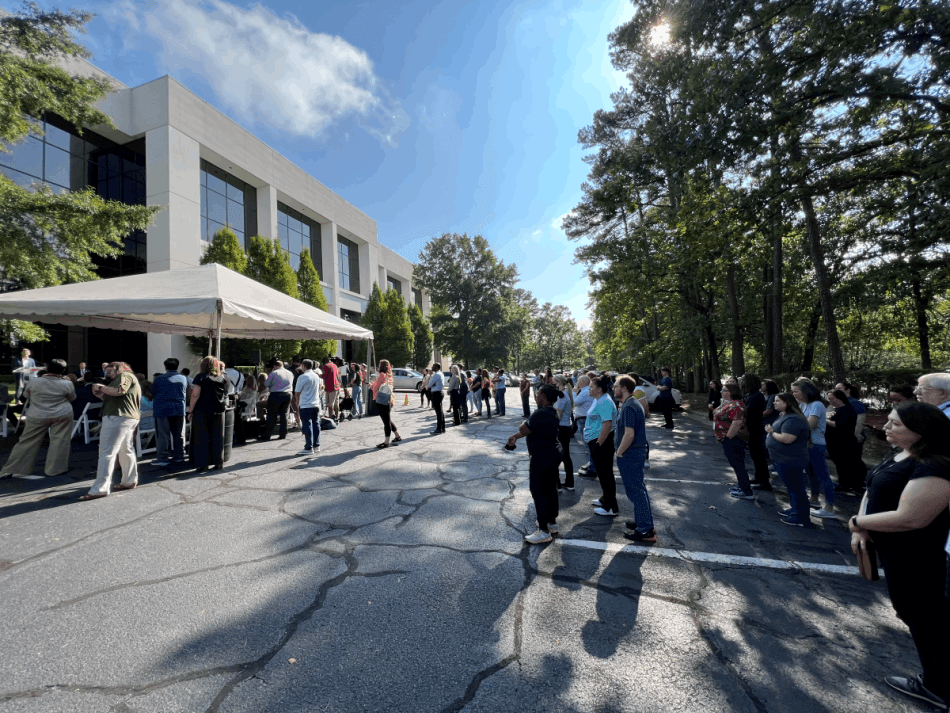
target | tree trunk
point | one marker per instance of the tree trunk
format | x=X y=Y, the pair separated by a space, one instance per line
x=713 y=349
x=767 y=321
x=923 y=326
x=738 y=358
x=808 y=357
x=775 y=294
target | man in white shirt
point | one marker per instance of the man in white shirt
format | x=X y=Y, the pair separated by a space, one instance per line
x=935 y=389
x=235 y=378
x=500 y=389
x=307 y=404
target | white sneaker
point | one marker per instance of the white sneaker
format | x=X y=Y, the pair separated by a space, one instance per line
x=595 y=503
x=824 y=513
x=305 y=452
x=316 y=451
x=539 y=537
x=608 y=513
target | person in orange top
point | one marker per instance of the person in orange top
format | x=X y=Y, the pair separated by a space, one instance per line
x=385 y=378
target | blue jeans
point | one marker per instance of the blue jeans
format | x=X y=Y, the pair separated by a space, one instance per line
x=734 y=448
x=630 y=465
x=310 y=425
x=358 y=400
x=500 y=401
x=170 y=437
x=794 y=478
x=818 y=475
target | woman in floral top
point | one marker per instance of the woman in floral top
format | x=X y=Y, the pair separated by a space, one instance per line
x=728 y=421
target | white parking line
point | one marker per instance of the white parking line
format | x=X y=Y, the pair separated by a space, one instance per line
x=708 y=557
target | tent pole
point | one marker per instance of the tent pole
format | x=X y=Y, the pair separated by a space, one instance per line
x=220 y=314
x=370 y=363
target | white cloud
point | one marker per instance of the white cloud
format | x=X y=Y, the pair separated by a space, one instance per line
x=271 y=69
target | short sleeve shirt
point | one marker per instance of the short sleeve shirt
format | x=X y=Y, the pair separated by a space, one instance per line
x=563 y=405
x=631 y=416
x=279 y=380
x=49 y=397
x=795 y=453
x=331 y=377
x=723 y=417
x=169 y=392
x=308 y=386
x=129 y=405
x=500 y=385
x=602 y=410
x=816 y=408
x=666 y=394
x=543 y=446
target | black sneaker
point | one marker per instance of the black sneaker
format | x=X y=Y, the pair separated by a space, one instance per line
x=915 y=687
x=641 y=536
x=761 y=486
x=631 y=525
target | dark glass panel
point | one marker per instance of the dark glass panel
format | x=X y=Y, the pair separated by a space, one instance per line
x=25 y=156
x=236 y=216
x=284 y=238
x=216 y=184
x=204 y=228
x=217 y=207
x=204 y=177
x=57 y=166
x=236 y=189
x=114 y=163
x=294 y=223
x=204 y=201
x=128 y=189
x=296 y=242
x=57 y=137
x=250 y=220
x=115 y=187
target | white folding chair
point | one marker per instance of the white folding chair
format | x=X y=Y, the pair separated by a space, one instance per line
x=90 y=417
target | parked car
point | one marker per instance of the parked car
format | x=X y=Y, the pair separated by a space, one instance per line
x=649 y=386
x=407 y=379
x=512 y=380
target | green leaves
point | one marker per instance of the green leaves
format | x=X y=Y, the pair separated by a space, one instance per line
x=392 y=330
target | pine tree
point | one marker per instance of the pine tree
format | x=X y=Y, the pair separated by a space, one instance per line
x=311 y=292
x=421 y=337
x=225 y=250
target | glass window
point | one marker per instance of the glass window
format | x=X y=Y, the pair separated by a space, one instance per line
x=204 y=201
x=281 y=217
x=204 y=175
x=236 y=215
x=240 y=237
x=57 y=166
x=21 y=179
x=204 y=228
x=296 y=242
x=236 y=192
x=217 y=207
x=216 y=184
x=57 y=137
x=293 y=222
x=250 y=220
x=282 y=233
x=115 y=187
x=295 y=261
x=305 y=229
x=25 y=156
x=213 y=228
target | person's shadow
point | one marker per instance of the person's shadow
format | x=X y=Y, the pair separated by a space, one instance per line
x=618 y=602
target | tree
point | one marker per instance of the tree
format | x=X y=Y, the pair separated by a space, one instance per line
x=268 y=264
x=470 y=289
x=421 y=337
x=46 y=238
x=225 y=250
x=311 y=292
x=396 y=339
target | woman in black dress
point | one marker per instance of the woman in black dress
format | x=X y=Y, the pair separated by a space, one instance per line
x=209 y=395
x=904 y=514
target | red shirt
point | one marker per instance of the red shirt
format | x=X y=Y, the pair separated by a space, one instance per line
x=331 y=377
x=724 y=416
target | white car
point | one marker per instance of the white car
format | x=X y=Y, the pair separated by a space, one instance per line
x=407 y=379
x=652 y=392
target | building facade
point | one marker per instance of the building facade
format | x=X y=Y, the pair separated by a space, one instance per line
x=173 y=149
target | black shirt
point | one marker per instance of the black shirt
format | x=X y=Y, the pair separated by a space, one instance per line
x=754 y=407
x=543 y=446
x=214 y=393
x=885 y=485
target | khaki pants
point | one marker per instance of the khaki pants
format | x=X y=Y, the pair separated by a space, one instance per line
x=23 y=457
x=115 y=441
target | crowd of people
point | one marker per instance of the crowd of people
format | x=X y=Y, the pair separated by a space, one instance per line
x=903 y=516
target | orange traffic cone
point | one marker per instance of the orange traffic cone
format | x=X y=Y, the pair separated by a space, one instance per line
x=406 y=402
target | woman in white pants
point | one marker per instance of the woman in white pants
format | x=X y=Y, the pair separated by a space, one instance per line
x=121 y=410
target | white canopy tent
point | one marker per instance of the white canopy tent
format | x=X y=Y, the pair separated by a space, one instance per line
x=208 y=300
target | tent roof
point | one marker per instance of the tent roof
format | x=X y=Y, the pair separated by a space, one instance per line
x=180 y=301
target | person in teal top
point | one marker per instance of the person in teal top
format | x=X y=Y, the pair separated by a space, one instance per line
x=597 y=434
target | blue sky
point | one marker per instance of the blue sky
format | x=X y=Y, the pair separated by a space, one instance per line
x=430 y=117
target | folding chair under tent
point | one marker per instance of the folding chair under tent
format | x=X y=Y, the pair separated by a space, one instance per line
x=204 y=301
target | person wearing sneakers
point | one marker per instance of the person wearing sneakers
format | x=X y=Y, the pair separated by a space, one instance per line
x=307 y=404
x=630 y=438
x=728 y=421
x=787 y=442
x=597 y=433
x=565 y=410
x=812 y=405
x=545 y=456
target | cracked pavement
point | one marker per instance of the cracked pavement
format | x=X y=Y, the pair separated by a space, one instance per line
x=398 y=580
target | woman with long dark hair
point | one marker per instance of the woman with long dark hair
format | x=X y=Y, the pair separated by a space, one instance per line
x=843 y=446
x=486 y=391
x=715 y=396
x=384 y=384
x=598 y=432
x=787 y=441
x=754 y=409
x=904 y=514
x=356 y=386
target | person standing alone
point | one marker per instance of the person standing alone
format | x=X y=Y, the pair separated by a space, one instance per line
x=664 y=398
